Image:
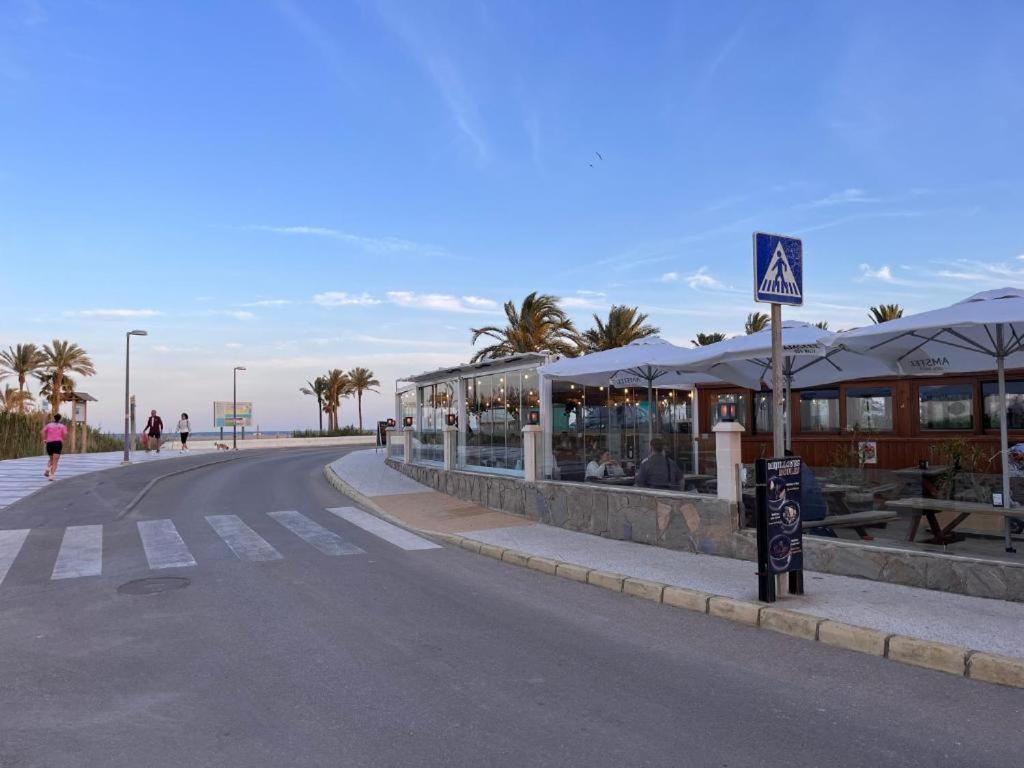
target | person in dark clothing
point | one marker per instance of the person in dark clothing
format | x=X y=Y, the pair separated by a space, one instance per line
x=812 y=505
x=658 y=470
x=154 y=427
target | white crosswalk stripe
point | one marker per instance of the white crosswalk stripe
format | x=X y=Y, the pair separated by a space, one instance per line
x=383 y=529
x=243 y=540
x=163 y=545
x=81 y=552
x=10 y=546
x=313 y=533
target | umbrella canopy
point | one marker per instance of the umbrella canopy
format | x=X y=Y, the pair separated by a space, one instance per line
x=631 y=365
x=970 y=335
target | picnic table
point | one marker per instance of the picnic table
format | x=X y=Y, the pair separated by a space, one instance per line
x=839 y=515
x=697 y=480
x=620 y=480
x=925 y=479
x=930 y=509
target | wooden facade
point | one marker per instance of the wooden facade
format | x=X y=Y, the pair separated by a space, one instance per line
x=904 y=446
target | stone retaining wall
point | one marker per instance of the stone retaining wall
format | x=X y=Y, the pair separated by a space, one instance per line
x=699 y=523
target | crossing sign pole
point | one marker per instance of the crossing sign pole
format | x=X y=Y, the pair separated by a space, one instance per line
x=778 y=280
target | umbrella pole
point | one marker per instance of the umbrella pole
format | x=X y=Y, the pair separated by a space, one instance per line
x=1004 y=439
x=652 y=410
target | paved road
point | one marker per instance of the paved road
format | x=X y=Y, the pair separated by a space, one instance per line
x=303 y=639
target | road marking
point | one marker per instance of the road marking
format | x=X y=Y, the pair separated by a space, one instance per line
x=313 y=533
x=243 y=540
x=385 y=530
x=164 y=545
x=10 y=546
x=81 y=552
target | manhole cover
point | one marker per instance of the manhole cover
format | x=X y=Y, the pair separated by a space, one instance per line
x=154 y=585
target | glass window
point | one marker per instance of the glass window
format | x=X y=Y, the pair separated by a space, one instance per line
x=1014 y=404
x=819 y=410
x=741 y=407
x=947 y=406
x=568 y=414
x=494 y=414
x=763 y=413
x=435 y=401
x=869 y=408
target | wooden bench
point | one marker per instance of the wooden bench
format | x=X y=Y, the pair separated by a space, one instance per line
x=930 y=508
x=859 y=521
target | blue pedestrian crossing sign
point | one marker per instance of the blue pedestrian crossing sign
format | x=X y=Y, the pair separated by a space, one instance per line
x=778 y=269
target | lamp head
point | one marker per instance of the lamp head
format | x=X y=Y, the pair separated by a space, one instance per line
x=239 y=367
x=138 y=333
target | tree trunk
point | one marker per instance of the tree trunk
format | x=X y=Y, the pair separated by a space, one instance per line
x=21 y=389
x=58 y=383
x=359 y=400
x=320 y=412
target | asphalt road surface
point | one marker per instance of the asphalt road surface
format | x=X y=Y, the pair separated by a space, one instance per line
x=288 y=635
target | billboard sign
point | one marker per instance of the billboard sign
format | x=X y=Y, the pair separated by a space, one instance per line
x=223 y=416
x=779 y=524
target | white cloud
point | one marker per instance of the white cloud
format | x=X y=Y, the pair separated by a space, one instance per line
x=233 y=345
x=237 y=314
x=268 y=303
x=590 y=293
x=382 y=245
x=442 y=301
x=669 y=277
x=701 y=279
x=849 y=195
x=581 y=302
x=1021 y=256
x=883 y=273
x=113 y=314
x=343 y=299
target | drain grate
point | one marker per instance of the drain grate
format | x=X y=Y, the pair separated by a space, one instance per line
x=154 y=585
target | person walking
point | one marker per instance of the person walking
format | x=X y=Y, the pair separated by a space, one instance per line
x=184 y=427
x=53 y=437
x=154 y=427
x=658 y=470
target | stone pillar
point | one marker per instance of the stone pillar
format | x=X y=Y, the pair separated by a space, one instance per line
x=728 y=456
x=532 y=435
x=450 y=434
x=390 y=435
x=407 y=433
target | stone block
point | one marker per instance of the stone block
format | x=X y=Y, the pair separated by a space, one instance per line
x=792 y=623
x=928 y=654
x=542 y=564
x=491 y=551
x=648 y=590
x=470 y=544
x=990 y=668
x=612 y=581
x=681 y=597
x=860 y=639
x=515 y=558
x=739 y=611
x=573 y=572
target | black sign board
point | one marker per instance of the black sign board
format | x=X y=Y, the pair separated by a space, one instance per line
x=779 y=525
x=382 y=434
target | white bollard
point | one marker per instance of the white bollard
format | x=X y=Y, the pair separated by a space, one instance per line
x=729 y=457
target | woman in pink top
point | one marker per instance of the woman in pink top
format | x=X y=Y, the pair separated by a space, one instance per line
x=53 y=435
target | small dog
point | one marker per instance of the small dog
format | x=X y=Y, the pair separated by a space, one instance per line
x=221 y=447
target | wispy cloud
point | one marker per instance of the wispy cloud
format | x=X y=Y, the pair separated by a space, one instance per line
x=442 y=71
x=669 y=277
x=268 y=303
x=582 y=302
x=233 y=345
x=883 y=273
x=236 y=314
x=113 y=314
x=442 y=301
x=343 y=299
x=318 y=39
x=844 y=197
x=584 y=292
x=989 y=274
x=379 y=245
x=703 y=279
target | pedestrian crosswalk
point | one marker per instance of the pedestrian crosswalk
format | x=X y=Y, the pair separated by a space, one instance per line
x=80 y=552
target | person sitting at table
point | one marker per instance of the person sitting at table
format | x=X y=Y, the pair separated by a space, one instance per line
x=658 y=470
x=604 y=466
x=812 y=501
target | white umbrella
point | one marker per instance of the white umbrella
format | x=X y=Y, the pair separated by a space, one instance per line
x=638 y=360
x=812 y=357
x=966 y=336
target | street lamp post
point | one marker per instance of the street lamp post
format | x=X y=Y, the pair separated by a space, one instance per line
x=234 y=407
x=127 y=357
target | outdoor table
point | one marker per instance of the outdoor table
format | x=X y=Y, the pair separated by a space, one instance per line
x=929 y=508
x=624 y=480
x=697 y=480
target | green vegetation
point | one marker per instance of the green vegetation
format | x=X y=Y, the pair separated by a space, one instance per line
x=624 y=326
x=330 y=390
x=537 y=325
x=349 y=431
x=20 y=436
x=885 y=312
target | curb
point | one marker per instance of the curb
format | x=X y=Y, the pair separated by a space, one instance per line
x=940 y=657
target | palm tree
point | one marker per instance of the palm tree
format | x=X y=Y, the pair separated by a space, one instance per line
x=539 y=325
x=625 y=325
x=317 y=387
x=46 y=389
x=361 y=380
x=22 y=361
x=823 y=325
x=703 y=339
x=14 y=399
x=61 y=358
x=756 y=321
x=338 y=387
x=885 y=312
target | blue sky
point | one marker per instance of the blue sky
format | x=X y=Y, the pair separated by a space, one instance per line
x=298 y=185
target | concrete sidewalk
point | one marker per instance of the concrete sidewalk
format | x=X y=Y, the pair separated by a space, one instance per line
x=957 y=621
x=20 y=477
